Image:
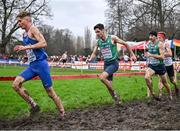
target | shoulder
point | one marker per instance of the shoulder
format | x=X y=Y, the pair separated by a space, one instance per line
x=113 y=37
x=116 y=39
x=167 y=44
x=34 y=29
x=161 y=44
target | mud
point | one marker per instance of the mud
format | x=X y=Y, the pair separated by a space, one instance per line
x=148 y=114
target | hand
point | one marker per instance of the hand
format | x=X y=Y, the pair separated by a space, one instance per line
x=16 y=48
x=88 y=60
x=133 y=58
x=147 y=54
x=20 y=48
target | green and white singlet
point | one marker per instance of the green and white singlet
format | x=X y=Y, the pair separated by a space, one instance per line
x=154 y=49
x=108 y=49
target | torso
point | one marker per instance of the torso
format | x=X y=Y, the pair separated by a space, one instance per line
x=167 y=60
x=108 y=49
x=33 y=54
x=154 y=49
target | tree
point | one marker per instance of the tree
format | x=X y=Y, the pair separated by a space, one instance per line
x=79 y=45
x=8 y=12
x=118 y=15
x=133 y=19
x=87 y=37
x=158 y=15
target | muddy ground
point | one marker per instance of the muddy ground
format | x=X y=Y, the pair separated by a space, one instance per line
x=149 y=114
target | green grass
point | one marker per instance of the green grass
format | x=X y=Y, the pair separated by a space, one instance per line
x=6 y=70
x=76 y=93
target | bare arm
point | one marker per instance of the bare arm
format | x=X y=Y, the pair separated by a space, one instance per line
x=169 y=52
x=38 y=36
x=93 y=55
x=161 y=51
x=119 y=41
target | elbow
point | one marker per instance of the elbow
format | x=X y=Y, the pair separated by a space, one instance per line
x=44 y=44
x=162 y=57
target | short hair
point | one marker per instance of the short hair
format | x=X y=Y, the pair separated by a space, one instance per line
x=99 y=26
x=153 y=33
x=23 y=14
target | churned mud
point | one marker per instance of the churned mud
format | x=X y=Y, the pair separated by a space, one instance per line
x=149 y=114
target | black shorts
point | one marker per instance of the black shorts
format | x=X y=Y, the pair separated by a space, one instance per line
x=110 y=68
x=170 y=70
x=159 y=69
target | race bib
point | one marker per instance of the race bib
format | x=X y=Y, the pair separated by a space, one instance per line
x=153 y=61
x=106 y=52
x=31 y=56
x=168 y=61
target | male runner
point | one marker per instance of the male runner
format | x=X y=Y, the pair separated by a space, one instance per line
x=168 y=64
x=33 y=44
x=108 y=47
x=155 y=56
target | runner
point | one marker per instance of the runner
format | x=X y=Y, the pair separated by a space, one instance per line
x=168 y=64
x=155 y=56
x=108 y=47
x=33 y=44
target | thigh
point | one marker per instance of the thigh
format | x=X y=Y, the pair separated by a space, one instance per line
x=104 y=75
x=163 y=78
x=149 y=72
x=44 y=74
x=111 y=68
x=28 y=74
x=18 y=80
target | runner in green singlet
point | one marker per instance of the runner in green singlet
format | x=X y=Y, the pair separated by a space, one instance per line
x=155 y=57
x=108 y=47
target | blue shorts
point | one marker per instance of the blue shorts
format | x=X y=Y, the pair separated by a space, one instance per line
x=110 y=68
x=38 y=68
x=159 y=69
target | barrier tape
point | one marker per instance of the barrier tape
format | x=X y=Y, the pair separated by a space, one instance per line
x=66 y=77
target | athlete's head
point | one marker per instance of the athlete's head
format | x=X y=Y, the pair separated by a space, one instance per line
x=152 y=36
x=99 y=30
x=161 y=36
x=24 y=18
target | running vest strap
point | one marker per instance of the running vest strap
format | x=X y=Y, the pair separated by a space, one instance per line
x=154 y=49
x=108 y=49
x=33 y=54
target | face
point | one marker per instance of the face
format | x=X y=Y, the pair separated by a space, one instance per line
x=152 y=37
x=22 y=22
x=160 y=38
x=99 y=33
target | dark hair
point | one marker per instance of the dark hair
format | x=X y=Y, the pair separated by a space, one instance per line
x=99 y=26
x=23 y=14
x=153 y=33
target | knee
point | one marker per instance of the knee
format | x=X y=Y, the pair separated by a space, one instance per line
x=52 y=95
x=15 y=85
x=147 y=77
x=102 y=78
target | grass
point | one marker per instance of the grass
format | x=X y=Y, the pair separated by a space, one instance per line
x=75 y=93
x=6 y=70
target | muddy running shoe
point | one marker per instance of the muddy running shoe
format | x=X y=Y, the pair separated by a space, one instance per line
x=117 y=99
x=34 y=110
x=170 y=97
x=156 y=98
